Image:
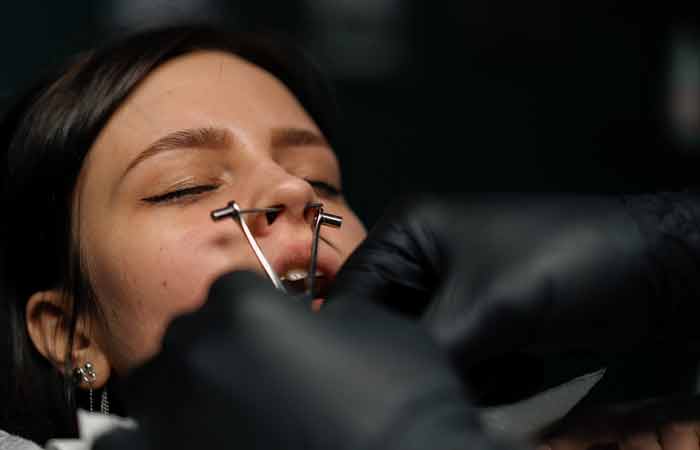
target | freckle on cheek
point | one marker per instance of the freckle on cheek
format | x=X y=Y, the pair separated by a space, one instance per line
x=165 y=283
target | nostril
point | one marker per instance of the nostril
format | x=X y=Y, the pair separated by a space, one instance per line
x=311 y=211
x=272 y=215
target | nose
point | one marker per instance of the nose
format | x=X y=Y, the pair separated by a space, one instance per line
x=289 y=193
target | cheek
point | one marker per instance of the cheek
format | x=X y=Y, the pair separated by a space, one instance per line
x=143 y=280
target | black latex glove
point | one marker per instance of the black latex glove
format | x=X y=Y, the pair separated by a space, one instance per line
x=254 y=369
x=542 y=274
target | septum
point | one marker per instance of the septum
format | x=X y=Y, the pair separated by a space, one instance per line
x=321 y=218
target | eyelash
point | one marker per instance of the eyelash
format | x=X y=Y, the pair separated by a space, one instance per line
x=180 y=194
x=326 y=190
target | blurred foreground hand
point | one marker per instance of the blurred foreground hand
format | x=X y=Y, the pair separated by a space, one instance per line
x=539 y=274
x=254 y=369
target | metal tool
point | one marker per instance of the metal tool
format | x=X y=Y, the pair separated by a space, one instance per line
x=236 y=213
x=320 y=218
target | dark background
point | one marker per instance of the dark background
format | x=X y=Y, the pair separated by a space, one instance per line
x=452 y=96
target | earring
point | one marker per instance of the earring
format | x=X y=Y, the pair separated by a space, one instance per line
x=87 y=375
x=104 y=402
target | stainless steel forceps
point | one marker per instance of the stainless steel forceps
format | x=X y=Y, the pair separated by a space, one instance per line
x=234 y=211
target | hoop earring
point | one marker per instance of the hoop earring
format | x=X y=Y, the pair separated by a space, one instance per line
x=87 y=375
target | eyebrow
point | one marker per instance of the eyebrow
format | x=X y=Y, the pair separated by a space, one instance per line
x=206 y=137
x=219 y=138
x=296 y=137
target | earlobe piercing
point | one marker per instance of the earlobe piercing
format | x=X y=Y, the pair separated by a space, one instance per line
x=86 y=374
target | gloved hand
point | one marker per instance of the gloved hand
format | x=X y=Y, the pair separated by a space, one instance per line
x=253 y=369
x=540 y=274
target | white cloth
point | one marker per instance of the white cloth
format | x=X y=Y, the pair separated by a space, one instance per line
x=12 y=442
x=90 y=426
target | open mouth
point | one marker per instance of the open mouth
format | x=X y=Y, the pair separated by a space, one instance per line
x=296 y=282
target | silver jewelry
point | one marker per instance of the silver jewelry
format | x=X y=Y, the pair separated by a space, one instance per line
x=86 y=374
x=104 y=402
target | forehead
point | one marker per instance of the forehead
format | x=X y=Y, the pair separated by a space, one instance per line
x=207 y=89
x=213 y=73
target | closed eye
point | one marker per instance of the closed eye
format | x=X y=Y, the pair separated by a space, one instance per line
x=180 y=194
x=324 y=189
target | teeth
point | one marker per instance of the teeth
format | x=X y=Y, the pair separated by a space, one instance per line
x=294 y=275
x=298 y=274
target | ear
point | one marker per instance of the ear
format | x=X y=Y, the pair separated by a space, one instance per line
x=47 y=325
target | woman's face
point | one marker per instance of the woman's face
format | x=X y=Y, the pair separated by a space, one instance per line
x=202 y=130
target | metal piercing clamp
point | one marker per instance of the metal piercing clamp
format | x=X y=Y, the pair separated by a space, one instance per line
x=236 y=213
x=321 y=218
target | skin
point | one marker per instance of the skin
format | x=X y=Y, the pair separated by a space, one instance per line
x=150 y=254
x=670 y=436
